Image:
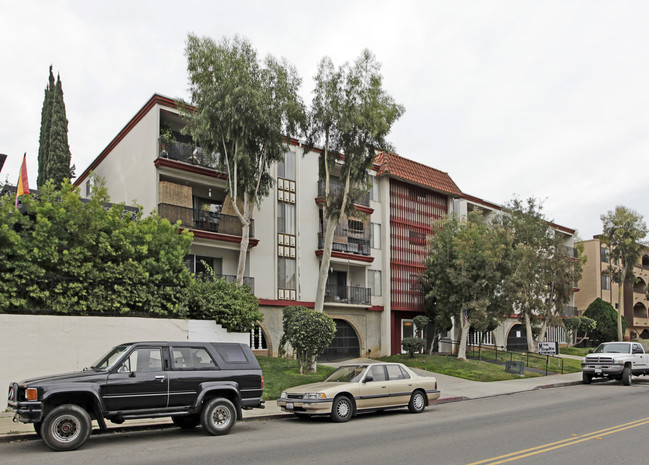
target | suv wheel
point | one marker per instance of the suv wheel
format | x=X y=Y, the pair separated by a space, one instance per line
x=218 y=416
x=66 y=427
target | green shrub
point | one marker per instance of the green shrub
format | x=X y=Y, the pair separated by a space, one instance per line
x=309 y=333
x=412 y=345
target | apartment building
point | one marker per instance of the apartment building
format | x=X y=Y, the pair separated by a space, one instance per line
x=373 y=290
x=152 y=163
x=596 y=282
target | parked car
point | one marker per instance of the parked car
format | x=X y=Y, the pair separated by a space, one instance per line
x=191 y=382
x=361 y=387
x=615 y=360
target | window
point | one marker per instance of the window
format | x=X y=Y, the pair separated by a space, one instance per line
x=142 y=360
x=396 y=372
x=192 y=358
x=286 y=167
x=377 y=372
x=355 y=227
x=286 y=282
x=606 y=282
x=198 y=263
x=603 y=251
x=375 y=237
x=231 y=353
x=375 y=282
x=374 y=193
x=285 y=218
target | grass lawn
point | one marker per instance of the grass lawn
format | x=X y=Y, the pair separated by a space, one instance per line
x=474 y=370
x=580 y=351
x=282 y=373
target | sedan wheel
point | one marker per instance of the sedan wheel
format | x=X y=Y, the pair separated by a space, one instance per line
x=417 y=402
x=342 y=409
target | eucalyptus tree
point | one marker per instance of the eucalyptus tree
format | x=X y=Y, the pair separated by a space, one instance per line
x=244 y=108
x=350 y=117
x=622 y=231
x=544 y=270
x=467 y=272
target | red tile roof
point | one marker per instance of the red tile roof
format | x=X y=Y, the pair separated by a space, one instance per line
x=409 y=170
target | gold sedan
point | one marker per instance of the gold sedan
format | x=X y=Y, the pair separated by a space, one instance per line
x=361 y=387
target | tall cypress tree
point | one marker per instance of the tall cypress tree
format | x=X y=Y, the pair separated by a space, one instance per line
x=46 y=116
x=54 y=151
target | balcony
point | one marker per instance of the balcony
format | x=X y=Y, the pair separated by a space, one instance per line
x=353 y=295
x=203 y=220
x=336 y=188
x=191 y=154
x=353 y=245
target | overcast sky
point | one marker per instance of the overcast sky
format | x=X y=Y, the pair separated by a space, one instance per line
x=512 y=98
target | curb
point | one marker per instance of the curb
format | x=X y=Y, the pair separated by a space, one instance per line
x=30 y=436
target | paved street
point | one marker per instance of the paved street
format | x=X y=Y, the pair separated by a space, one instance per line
x=599 y=424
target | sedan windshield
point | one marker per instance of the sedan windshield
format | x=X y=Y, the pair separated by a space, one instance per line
x=613 y=348
x=110 y=358
x=346 y=374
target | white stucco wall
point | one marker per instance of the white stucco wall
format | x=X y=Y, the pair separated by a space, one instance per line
x=35 y=345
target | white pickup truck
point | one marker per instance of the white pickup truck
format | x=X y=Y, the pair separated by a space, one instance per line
x=615 y=360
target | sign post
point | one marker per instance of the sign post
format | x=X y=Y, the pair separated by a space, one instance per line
x=548 y=348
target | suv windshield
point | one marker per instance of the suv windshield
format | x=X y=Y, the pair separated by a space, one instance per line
x=349 y=374
x=110 y=358
x=613 y=348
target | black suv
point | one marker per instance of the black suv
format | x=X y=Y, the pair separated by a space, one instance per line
x=191 y=382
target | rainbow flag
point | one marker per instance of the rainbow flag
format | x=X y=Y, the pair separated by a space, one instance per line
x=23 y=183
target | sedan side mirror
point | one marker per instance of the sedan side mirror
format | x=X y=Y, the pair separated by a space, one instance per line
x=368 y=379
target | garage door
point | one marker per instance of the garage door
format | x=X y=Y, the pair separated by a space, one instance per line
x=345 y=344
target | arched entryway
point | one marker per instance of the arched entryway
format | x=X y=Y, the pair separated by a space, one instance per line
x=517 y=339
x=644 y=334
x=345 y=344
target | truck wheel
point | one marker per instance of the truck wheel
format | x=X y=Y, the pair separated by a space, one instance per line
x=626 y=376
x=186 y=421
x=218 y=416
x=342 y=409
x=37 y=428
x=586 y=378
x=66 y=427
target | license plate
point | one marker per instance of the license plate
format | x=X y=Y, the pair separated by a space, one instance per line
x=598 y=370
x=289 y=405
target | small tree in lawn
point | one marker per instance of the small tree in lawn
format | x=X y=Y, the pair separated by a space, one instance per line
x=309 y=333
x=244 y=110
x=623 y=229
x=350 y=116
x=412 y=345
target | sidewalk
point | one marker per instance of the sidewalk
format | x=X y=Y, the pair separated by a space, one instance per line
x=452 y=389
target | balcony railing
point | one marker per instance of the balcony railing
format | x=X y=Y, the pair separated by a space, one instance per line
x=353 y=245
x=205 y=221
x=354 y=295
x=336 y=188
x=189 y=153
